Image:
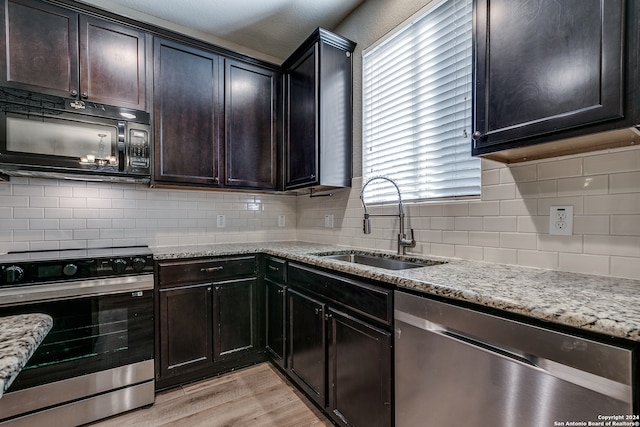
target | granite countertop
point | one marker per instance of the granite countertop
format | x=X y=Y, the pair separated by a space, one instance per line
x=606 y=305
x=20 y=335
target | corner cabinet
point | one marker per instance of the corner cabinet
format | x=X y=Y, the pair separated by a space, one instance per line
x=207 y=318
x=58 y=51
x=339 y=345
x=548 y=71
x=275 y=284
x=318 y=104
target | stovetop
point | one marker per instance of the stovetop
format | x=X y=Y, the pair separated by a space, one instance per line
x=37 y=267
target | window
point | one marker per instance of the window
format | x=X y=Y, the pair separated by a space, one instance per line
x=417 y=108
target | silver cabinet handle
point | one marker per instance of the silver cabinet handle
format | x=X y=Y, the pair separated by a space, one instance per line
x=211 y=269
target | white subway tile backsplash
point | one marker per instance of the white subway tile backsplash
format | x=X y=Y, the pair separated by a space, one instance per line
x=28 y=213
x=499 y=192
x=620 y=160
x=518 y=240
x=582 y=186
x=625 y=267
x=561 y=244
x=508 y=224
x=628 y=182
x=612 y=245
x=501 y=255
x=595 y=224
x=559 y=168
x=625 y=225
x=584 y=263
x=547 y=260
x=612 y=204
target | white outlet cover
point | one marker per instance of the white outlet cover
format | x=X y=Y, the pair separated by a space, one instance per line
x=561 y=220
x=328 y=221
x=281 y=220
x=221 y=221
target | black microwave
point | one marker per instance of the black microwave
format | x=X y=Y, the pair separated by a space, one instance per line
x=48 y=136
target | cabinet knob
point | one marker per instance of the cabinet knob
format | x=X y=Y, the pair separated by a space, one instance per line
x=74 y=93
x=312 y=176
x=476 y=135
x=318 y=311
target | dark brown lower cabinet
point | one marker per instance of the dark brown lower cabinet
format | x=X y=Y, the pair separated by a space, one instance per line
x=339 y=353
x=308 y=346
x=208 y=313
x=359 y=372
x=234 y=319
x=185 y=348
x=276 y=303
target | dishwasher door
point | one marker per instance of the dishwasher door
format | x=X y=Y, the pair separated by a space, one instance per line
x=459 y=367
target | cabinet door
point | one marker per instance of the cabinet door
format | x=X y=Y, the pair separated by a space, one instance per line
x=251 y=95
x=302 y=115
x=359 y=372
x=276 y=305
x=112 y=64
x=185 y=329
x=186 y=114
x=545 y=66
x=307 y=345
x=40 y=47
x=234 y=319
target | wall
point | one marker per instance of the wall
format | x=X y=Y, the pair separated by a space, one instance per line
x=39 y=214
x=509 y=223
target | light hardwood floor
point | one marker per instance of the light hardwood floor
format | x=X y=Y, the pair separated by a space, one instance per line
x=258 y=396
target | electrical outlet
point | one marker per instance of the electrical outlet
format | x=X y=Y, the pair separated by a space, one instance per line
x=221 y=221
x=561 y=220
x=281 y=220
x=328 y=221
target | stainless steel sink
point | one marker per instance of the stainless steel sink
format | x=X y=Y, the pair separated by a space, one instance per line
x=381 y=261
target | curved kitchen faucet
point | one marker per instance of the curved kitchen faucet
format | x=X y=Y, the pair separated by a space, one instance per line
x=403 y=242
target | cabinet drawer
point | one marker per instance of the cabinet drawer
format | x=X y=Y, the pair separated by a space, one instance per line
x=171 y=273
x=370 y=300
x=275 y=269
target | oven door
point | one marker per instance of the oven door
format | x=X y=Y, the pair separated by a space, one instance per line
x=98 y=325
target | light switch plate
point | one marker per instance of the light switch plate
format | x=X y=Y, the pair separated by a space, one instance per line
x=221 y=221
x=281 y=220
x=561 y=220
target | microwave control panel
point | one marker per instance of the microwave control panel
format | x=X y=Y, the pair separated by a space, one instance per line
x=139 y=148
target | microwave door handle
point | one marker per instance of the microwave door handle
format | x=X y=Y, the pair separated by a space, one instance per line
x=121 y=145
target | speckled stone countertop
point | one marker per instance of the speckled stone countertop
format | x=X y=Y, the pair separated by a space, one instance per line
x=20 y=335
x=606 y=305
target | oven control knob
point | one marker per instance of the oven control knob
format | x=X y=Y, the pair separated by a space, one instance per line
x=13 y=274
x=70 y=269
x=119 y=265
x=138 y=264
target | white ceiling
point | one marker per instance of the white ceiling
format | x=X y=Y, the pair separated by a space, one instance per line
x=273 y=27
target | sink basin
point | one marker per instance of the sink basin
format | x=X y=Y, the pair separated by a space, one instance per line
x=381 y=261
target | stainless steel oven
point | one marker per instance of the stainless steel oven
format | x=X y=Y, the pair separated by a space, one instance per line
x=98 y=359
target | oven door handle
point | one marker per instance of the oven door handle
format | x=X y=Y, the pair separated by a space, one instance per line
x=75 y=289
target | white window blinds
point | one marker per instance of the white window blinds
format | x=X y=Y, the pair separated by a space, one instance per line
x=417 y=108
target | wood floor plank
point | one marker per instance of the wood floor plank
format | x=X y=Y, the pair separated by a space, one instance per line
x=258 y=396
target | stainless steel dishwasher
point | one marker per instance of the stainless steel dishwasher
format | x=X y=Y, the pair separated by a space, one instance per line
x=455 y=366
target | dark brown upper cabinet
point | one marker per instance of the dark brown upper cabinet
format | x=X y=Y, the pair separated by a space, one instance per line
x=252 y=125
x=549 y=75
x=187 y=102
x=56 y=51
x=319 y=108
